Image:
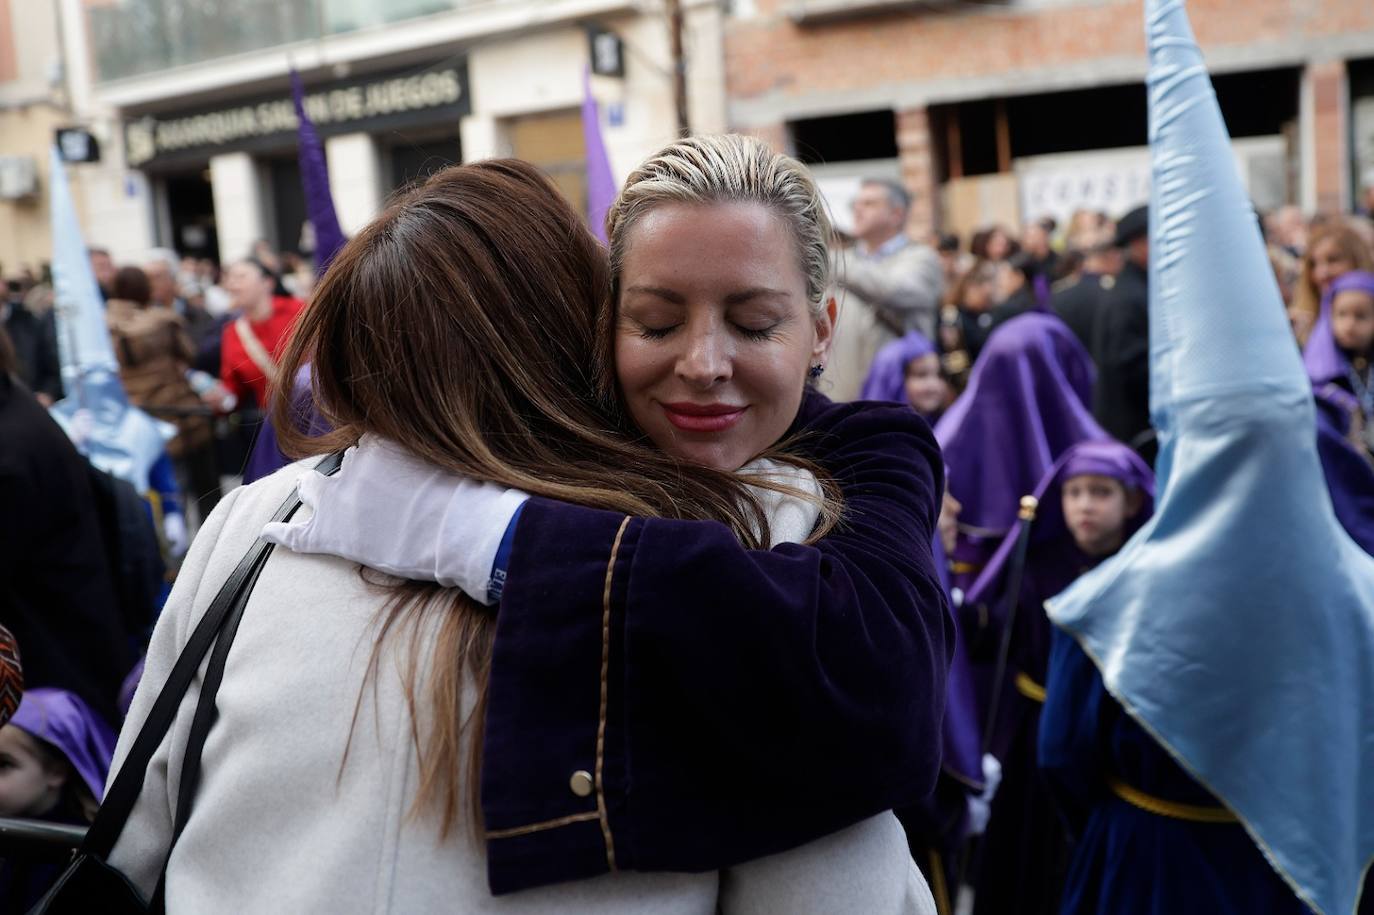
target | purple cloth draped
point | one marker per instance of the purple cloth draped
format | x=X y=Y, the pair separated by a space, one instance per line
x=266 y=458
x=1349 y=476
x=61 y=719
x=1025 y=405
x=887 y=376
x=1107 y=458
x=1324 y=360
x=600 y=184
x=319 y=204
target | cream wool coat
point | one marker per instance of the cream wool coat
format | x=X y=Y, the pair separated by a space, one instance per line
x=282 y=824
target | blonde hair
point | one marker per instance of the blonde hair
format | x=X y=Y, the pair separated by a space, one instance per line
x=729 y=168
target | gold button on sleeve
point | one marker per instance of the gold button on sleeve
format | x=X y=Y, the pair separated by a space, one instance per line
x=581 y=783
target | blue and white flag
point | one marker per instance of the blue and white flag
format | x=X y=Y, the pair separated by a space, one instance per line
x=1237 y=626
x=114 y=436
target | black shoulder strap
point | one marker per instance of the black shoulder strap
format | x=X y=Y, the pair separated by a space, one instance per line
x=128 y=783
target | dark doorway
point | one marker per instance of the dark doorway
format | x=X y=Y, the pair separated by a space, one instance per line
x=414 y=160
x=191 y=205
x=288 y=204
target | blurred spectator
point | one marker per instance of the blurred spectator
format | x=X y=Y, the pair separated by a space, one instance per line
x=1035 y=241
x=891 y=284
x=155 y=353
x=1017 y=289
x=217 y=299
x=1288 y=230
x=966 y=322
x=1334 y=248
x=252 y=342
x=164 y=272
x=57 y=594
x=1121 y=342
x=298 y=276
x=34 y=339
x=952 y=259
x=1077 y=302
x=102 y=265
x=993 y=243
x=1086 y=227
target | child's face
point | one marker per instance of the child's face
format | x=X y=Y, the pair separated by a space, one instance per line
x=28 y=786
x=1096 y=509
x=1352 y=320
x=926 y=391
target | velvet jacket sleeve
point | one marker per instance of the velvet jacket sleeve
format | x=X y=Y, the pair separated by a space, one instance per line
x=661 y=698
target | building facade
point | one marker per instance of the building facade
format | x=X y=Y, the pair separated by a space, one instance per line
x=1004 y=110
x=195 y=98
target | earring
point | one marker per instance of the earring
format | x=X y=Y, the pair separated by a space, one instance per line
x=816 y=371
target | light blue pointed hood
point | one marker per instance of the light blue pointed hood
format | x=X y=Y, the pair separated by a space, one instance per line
x=1237 y=626
x=121 y=439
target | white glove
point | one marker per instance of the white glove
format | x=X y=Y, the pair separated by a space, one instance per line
x=790 y=519
x=391 y=511
x=980 y=807
x=174 y=532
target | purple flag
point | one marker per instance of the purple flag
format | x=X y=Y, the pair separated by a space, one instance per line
x=600 y=184
x=319 y=205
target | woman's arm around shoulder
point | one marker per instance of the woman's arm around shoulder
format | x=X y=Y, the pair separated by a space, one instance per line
x=724 y=703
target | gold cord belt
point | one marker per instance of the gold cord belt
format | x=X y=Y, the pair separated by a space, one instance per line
x=1029 y=688
x=1192 y=813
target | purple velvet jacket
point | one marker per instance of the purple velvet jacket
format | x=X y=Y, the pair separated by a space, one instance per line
x=662 y=699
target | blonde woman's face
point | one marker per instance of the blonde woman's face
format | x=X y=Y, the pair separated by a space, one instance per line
x=714 y=333
x=1328 y=263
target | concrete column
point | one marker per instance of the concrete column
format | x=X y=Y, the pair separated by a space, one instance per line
x=1325 y=126
x=239 y=215
x=354 y=179
x=916 y=155
x=481 y=138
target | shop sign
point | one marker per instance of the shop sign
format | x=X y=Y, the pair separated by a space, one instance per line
x=371 y=103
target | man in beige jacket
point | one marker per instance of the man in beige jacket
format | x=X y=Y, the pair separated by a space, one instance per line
x=888 y=285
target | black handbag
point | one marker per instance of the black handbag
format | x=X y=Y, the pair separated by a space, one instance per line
x=89 y=884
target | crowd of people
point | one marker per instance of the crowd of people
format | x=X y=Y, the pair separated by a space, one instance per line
x=702 y=572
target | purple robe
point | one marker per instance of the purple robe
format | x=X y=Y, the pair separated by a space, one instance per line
x=60 y=719
x=1025 y=852
x=1026 y=403
x=266 y=458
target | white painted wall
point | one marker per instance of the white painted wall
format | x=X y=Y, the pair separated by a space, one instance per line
x=354 y=179
x=239 y=213
x=481 y=138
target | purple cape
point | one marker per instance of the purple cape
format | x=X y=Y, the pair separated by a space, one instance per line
x=266 y=458
x=1104 y=458
x=1026 y=403
x=887 y=377
x=1324 y=360
x=59 y=718
x=1349 y=476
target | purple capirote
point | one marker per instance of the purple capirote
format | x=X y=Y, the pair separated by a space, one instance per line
x=1026 y=403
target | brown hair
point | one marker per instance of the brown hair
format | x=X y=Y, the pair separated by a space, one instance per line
x=131 y=284
x=462 y=324
x=1307 y=298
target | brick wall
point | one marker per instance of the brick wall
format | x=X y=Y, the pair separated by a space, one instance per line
x=777 y=69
